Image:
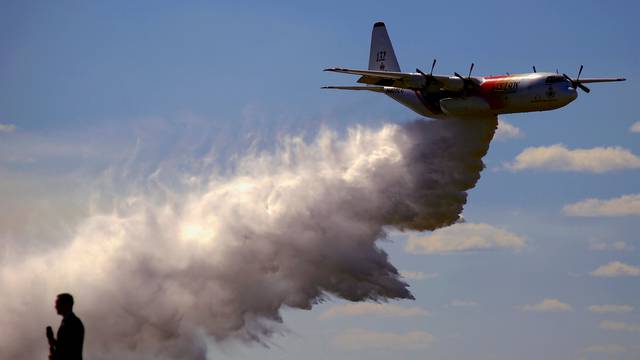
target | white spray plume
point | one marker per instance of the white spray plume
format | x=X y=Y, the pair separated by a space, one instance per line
x=163 y=272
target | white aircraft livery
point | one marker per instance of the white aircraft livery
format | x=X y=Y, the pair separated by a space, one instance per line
x=441 y=97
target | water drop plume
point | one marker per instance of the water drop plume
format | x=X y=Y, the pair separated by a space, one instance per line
x=161 y=273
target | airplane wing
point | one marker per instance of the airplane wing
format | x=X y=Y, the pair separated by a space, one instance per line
x=600 y=80
x=403 y=80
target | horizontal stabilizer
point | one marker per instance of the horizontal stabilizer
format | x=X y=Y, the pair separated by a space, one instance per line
x=369 y=88
x=375 y=73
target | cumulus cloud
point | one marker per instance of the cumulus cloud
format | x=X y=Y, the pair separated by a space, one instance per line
x=606 y=349
x=507 y=131
x=559 y=158
x=7 y=128
x=357 y=339
x=464 y=237
x=610 y=308
x=635 y=127
x=619 y=326
x=616 y=269
x=418 y=275
x=613 y=246
x=375 y=309
x=622 y=206
x=547 y=305
x=163 y=267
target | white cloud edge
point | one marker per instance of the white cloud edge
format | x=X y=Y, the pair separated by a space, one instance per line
x=374 y=309
x=7 y=128
x=546 y=305
x=358 y=339
x=461 y=303
x=558 y=157
x=635 y=127
x=624 y=205
x=606 y=348
x=507 y=131
x=609 y=308
x=619 y=326
x=610 y=246
x=464 y=237
x=616 y=269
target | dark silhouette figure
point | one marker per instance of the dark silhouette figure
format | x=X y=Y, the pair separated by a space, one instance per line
x=67 y=345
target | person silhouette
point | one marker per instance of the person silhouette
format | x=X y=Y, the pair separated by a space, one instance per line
x=67 y=345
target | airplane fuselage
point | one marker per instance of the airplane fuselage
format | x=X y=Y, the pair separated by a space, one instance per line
x=494 y=95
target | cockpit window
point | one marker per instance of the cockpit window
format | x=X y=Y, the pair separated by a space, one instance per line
x=553 y=79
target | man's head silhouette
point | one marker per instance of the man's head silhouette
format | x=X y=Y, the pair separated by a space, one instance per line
x=64 y=304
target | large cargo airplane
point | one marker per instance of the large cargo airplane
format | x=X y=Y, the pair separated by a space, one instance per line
x=438 y=96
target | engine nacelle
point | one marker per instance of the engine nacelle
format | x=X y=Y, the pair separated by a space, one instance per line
x=465 y=106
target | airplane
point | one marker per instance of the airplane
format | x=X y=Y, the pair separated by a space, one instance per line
x=442 y=97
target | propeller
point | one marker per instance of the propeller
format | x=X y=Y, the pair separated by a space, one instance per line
x=576 y=83
x=466 y=82
x=534 y=69
x=428 y=77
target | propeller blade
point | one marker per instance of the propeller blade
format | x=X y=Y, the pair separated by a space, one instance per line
x=584 y=88
x=579 y=72
x=470 y=70
x=458 y=75
x=432 y=66
x=534 y=68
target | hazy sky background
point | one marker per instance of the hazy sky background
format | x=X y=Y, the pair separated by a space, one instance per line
x=86 y=86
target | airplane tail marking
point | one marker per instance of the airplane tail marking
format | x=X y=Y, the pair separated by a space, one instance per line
x=381 y=56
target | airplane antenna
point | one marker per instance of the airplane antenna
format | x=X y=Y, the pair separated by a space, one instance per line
x=432 y=66
x=470 y=70
x=534 y=68
x=557 y=71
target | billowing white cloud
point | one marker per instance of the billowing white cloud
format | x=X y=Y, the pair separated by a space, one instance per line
x=464 y=237
x=559 y=158
x=547 y=305
x=7 y=128
x=357 y=339
x=418 y=275
x=506 y=131
x=635 y=128
x=383 y=310
x=613 y=246
x=621 y=206
x=462 y=303
x=616 y=269
x=610 y=308
x=619 y=326
x=606 y=349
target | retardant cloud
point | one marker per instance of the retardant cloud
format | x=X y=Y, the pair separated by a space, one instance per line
x=621 y=206
x=547 y=305
x=164 y=267
x=465 y=237
x=559 y=158
x=375 y=309
x=358 y=339
x=616 y=269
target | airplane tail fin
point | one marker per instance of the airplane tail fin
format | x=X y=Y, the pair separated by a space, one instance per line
x=382 y=56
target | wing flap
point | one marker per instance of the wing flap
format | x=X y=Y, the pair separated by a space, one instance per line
x=414 y=81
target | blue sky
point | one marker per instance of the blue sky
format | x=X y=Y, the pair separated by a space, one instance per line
x=84 y=85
